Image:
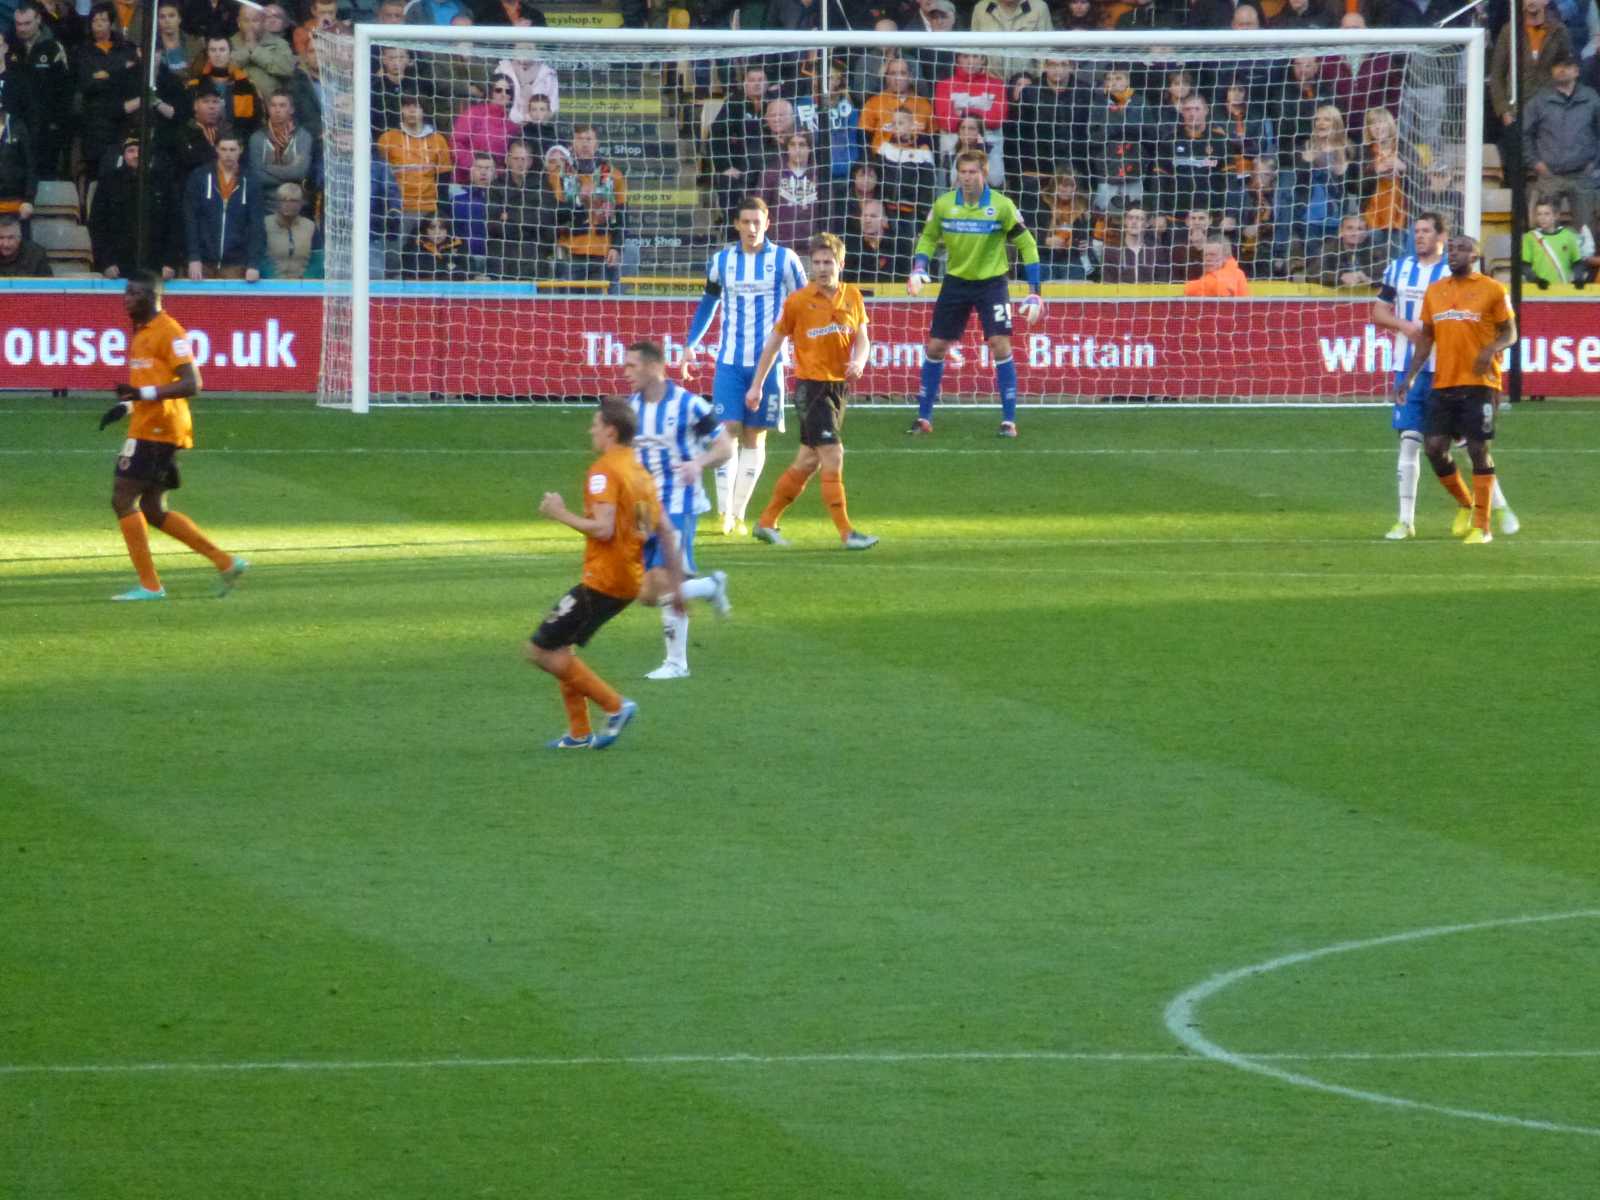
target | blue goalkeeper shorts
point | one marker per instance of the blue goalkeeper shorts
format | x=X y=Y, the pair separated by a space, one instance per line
x=1412 y=414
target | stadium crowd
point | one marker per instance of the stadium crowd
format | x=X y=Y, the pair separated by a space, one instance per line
x=1127 y=170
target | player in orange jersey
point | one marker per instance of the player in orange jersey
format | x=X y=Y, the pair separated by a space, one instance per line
x=1468 y=317
x=826 y=321
x=621 y=510
x=162 y=375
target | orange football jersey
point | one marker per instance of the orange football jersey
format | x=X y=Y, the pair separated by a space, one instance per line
x=822 y=329
x=1462 y=315
x=616 y=566
x=160 y=346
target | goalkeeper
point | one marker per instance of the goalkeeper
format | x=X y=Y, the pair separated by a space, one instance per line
x=975 y=223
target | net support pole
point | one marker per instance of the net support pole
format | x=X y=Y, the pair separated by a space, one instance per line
x=361 y=224
x=1472 y=157
x=1517 y=180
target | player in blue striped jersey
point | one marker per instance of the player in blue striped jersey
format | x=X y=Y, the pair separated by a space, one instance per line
x=750 y=279
x=676 y=440
x=1399 y=307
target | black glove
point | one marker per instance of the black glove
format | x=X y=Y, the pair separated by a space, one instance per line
x=1542 y=284
x=126 y=391
x=116 y=412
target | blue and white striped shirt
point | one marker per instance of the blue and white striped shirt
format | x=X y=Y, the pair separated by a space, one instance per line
x=670 y=432
x=1404 y=283
x=752 y=289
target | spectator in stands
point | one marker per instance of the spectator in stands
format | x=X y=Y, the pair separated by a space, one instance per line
x=521 y=224
x=539 y=131
x=223 y=218
x=796 y=15
x=421 y=160
x=1049 y=130
x=1250 y=136
x=195 y=143
x=39 y=69
x=937 y=20
x=1186 y=244
x=875 y=252
x=324 y=15
x=1321 y=165
x=484 y=128
x=211 y=18
x=530 y=77
x=1262 y=217
x=970 y=91
x=397 y=78
x=1303 y=14
x=1379 y=175
x=1441 y=189
x=266 y=58
x=1550 y=253
x=468 y=210
x=1078 y=15
x=738 y=140
x=434 y=253
x=388 y=12
x=592 y=196
x=240 y=99
x=178 y=51
x=868 y=64
x=281 y=151
x=1303 y=93
x=114 y=216
x=780 y=123
x=1416 y=14
x=19 y=182
x=971 y=135
x=1544 y=39
x=387 y=216
x=1354 y=259
x=877 y=115
x=1010 y=16
x=841 y=129
x=11 y=99
x=907 y=167
x=1067 y=247
x=520 y=13
x=1119 y=128
x=1561 y=139
x=796 y=194
x=65 y=23
x=108 y=94
x=1222 y=277
x=1137 y=256
x=305 y=89
x=1144 y=15
x=289 y=238
x=865 y=184
x=1222 y=14
x=19 y=257
x=1192 y=159
x=276 y=21
x=1368 y=79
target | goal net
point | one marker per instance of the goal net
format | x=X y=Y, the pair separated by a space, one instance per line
x=506 y=209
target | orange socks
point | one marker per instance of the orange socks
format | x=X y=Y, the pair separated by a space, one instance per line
x=790 y=484
x=1482 y=498
x=137 y=535
x=584 y=682
x=1453 y=485
x=577 y=706
x=187 y=532
x=833 y=497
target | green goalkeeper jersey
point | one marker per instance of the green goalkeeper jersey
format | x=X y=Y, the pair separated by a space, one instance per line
x=975 y=235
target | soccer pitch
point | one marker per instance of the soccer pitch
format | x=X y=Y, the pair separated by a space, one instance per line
x=1132 y=822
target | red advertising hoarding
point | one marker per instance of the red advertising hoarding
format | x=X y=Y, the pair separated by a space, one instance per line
x=272 y=342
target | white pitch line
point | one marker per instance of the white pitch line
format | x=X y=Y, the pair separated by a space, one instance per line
x=870 y=451
x=883 y=1058
x=1182 y=1021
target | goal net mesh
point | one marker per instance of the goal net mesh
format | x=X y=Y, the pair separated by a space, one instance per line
x=1211 y=222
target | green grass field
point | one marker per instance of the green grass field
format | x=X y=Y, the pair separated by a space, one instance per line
x=898 y=896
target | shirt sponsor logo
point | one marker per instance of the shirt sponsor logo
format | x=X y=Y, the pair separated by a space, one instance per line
x=1458 y=314
x=597 y=484
x=825 y=330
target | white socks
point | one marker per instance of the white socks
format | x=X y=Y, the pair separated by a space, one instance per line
x=701 y=587
x=724 y=476
x=1499 y=500
x=752 y=459
x=1410 y=468
x=675 y=629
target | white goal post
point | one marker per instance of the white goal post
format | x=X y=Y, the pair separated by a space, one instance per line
x=1105 y=336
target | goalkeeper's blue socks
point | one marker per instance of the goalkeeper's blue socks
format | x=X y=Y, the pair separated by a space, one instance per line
x=1005 y=382
x=932 y=377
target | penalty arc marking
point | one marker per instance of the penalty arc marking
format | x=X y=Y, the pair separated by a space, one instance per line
x=1182 y=1020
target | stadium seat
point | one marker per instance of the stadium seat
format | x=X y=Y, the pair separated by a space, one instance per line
x=56 y=198
x=64 y=240
x=1493 y=170
x=1497 y=203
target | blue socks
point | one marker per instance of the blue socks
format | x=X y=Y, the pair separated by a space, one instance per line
x=1005 y=382
x=932 y=376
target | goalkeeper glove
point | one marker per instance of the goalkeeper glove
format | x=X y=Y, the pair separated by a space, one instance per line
x=116 y=412
x=1031 y=306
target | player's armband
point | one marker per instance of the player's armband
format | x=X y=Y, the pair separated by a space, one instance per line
x=1387 y=294
x=706 y=426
